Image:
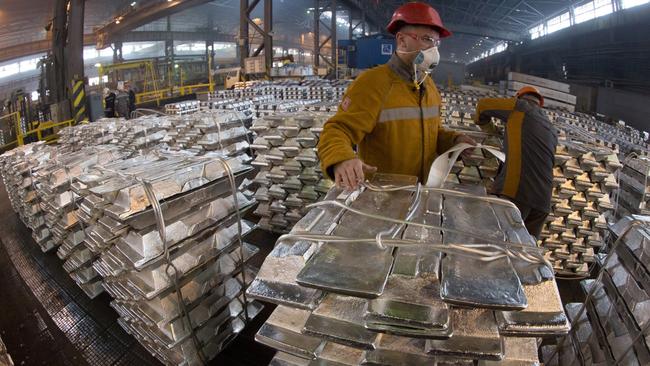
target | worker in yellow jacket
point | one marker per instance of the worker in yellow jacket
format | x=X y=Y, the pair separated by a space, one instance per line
x=526 y=178
x=391 y=113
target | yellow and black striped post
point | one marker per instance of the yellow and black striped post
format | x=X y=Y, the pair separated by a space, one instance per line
x=79 y=101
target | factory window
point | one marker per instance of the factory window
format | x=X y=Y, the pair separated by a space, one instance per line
x=559 y=22
x=90 y=53
x=106 y=52
x=537 y=31
x=8 y=70
x=28 y=65
x=584 y=12
x=223 y=45
x=603 y=7
x=95 y=80
x=129 y=48
x=194 y=47
x=631 y=3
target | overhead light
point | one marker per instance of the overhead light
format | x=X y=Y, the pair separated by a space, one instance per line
x=176 y=66
x=98 y=65
x=133 y=3
x=117 y=21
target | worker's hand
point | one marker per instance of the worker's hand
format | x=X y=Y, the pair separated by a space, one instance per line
x=467 y=140
x=348 y=174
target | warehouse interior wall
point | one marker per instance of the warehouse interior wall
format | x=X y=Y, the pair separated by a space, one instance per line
x=633 y=108
x=448 y=70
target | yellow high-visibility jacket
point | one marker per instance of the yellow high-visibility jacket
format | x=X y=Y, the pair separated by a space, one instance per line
x=394 y=126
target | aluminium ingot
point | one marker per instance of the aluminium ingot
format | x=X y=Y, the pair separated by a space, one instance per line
x=276 y=280
x=339 y=319
x=476 y=336
x=544 y=315
x=283 y=331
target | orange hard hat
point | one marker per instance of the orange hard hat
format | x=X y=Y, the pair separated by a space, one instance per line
x=417 y=13
x=531 y=90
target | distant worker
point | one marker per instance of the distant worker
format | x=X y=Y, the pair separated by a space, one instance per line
x=122 y=102
x=391 y=113
x=526 y=178
x=131 y=92
x=109 y=103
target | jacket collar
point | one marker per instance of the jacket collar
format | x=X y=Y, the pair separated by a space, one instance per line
x=401 y=68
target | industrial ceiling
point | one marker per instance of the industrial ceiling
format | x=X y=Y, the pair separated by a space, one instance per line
x=470 y=20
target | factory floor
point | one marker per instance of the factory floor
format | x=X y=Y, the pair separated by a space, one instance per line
x=45 y=319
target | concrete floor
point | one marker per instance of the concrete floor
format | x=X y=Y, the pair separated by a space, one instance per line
x=46 y=319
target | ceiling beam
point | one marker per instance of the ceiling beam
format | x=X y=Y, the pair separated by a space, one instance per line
x=44 y=45
x=155 y=36
x=34 y=47
x=142 y=16
x=484 y=32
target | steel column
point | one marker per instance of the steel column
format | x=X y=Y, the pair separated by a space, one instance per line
x=244 y=47
x=268 y=36
x=333 y=38
x=58 y=47
x=316 y=34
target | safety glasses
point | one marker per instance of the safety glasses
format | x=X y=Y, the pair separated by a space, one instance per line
x=428 y=40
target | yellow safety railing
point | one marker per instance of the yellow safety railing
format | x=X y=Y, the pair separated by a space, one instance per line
x=188 y=89
x=45 y=126
x=14 y=118
x=161 y=94
x=156 y=95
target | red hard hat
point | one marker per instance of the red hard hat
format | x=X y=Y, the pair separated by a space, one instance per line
x=417 y=13
x=533 y=91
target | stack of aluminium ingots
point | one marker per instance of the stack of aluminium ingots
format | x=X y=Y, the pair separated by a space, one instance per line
x=396 y=274
x=217 y=133
x=612 y=326
x=54 y=184
x=634 y=195
x=583 y=180
x=290 y=175
x=17 y=168
x=175 y=268
x=159 y=230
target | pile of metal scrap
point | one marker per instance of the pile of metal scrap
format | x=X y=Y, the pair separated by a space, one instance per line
x=634 y=195
x=356 y=284
x=583 y=179
x=612 y=326
x=289 y=176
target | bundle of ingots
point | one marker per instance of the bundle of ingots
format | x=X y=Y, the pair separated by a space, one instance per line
x=159 y=230
x=398 y=274
x=612 y=325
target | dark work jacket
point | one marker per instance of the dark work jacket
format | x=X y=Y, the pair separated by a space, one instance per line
x=530 y=141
